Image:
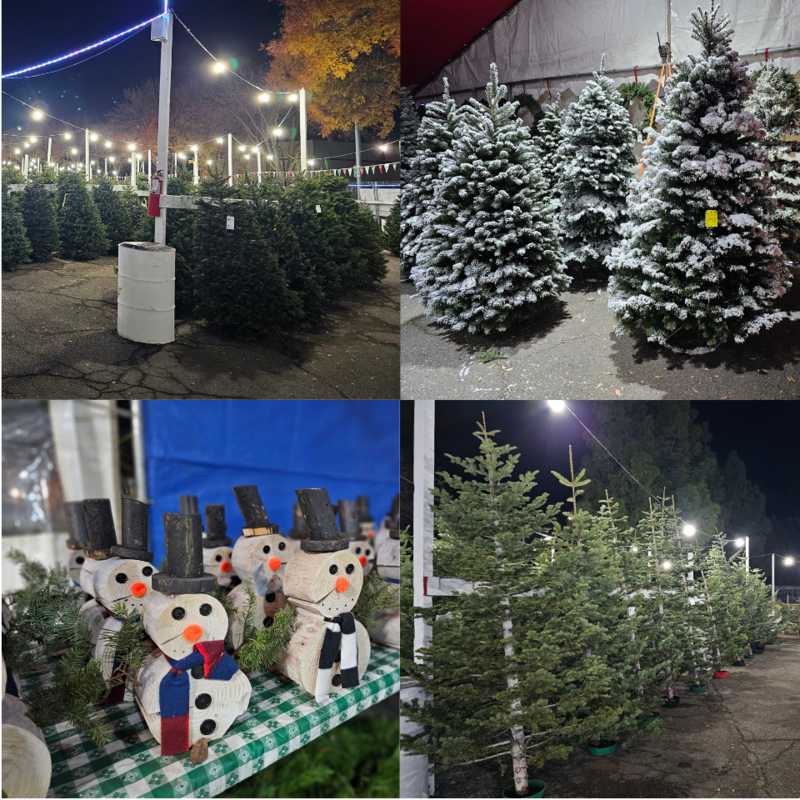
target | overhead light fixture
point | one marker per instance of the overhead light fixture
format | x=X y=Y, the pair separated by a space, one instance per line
x=293 y=97
x=739 y=542
x=219 y=66
x=264 y=97
x=108 y=144
x=220 y=140
x=37 y=115
x=556 y=405
x=788 y=561
x=93 y=137
x=667 y=565
x=689 y=530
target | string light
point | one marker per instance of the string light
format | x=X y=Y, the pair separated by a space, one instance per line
x=93 y=137
x=788 y=561
x=220 y=140
x=667 y=565
x=108 y=144
x=243 y=148
x=78 y=52
x=209 y=162
x=293 y=97
x=278 y=131
x=219 y=66
x=689 y=530
x=556 y=405
x=265 y=97
x=312 y=161
x=67 y=136
x=37 y=115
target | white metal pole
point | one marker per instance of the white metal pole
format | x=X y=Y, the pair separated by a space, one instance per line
x=162 y=162
x=196 y=168
x=175 y=160
x=358 y=164
x=49 y=150
x=105 y=167
x=149 y=168
x=747 y=553
x=773 y=574
x=258 y=163
x=303 y=133
x=25 y=166
x=88 y=166
x=230 y=159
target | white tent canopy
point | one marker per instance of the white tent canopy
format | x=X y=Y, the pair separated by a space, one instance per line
x=555 y=45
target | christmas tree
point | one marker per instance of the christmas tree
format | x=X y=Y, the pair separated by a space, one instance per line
x=596 y=157
x=549 y=140
x=16 y=245
x=775 y=101
x=409 y=126
x=114 y=213
x=143 y=225
x=180 y=235
x=238 y=280
x=672 y=275
x=39 y=214
x=83 y=235
x=391 y=230
x=434 y=137
x=492 y=257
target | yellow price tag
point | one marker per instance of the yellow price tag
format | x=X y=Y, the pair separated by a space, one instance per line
x=711 y=219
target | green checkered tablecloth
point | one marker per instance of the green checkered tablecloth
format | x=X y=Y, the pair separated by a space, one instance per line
x=280 y=718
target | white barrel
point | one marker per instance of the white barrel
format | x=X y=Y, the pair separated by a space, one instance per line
x=146 y=292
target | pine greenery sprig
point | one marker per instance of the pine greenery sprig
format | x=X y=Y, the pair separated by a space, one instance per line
x=222 y=594
x=129 y=644
x=33 y=573
x=376 y=593
x=260 y=646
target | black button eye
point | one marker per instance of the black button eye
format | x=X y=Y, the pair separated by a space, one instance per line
x=349 y=569
x=203 y=701
x=219 y=558
x=270 y=598
x=266 y=548
x=208 y=726
x=368 y=553
x=122 y=577
x=79 y=560
x=358 y=550
x=205 y=609
x=282 y=546
x=147 y=571
x=267 y=622
x=334 y=569
x=178 y=613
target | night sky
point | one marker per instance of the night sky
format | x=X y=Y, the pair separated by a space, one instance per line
x=765 y=434
x=228 y=30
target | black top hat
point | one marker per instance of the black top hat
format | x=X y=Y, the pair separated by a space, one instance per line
x=134 y=531
x=188 y=504
x=394 y=514
x=299 y=528
x=76 y=524
x=255 y=516
x=318 y=513
x=348 y=520
x=362 y=503
x=100 y=527
x=216 y=527
x=184 y=575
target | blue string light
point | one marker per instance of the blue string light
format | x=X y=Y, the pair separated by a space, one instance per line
x=84 y=49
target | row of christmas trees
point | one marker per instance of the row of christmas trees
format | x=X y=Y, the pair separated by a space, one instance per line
x=293 y=252
x=579 y=625
x=492 y=219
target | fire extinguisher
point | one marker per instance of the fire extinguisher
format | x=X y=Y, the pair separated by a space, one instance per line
x=156 y=188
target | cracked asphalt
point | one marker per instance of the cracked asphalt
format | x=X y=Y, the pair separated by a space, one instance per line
x=570 y=352
x=60 y=341
x=740 y=738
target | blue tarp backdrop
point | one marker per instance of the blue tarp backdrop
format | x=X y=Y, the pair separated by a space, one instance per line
x=205 y=447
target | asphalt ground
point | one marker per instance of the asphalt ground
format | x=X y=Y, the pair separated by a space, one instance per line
x=60 y=341
x=740 y=738
x=570 y=352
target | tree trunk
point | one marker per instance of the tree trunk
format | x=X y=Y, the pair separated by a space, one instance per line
x=518 y=754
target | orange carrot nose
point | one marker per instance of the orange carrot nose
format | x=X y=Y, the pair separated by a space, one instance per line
x=274 y=563
x=139 y=589
x=342 y=585
x=225 y=566
x=192 y=633
x=363 y=560
x=370 y=534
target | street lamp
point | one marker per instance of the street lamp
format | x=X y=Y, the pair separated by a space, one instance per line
x=788 y=561
x=220 y=140
x=744 y=541
x=93 y=137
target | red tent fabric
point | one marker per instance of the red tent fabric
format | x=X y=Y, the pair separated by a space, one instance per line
x=433 y=31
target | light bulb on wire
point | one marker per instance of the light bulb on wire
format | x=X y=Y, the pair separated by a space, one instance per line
x=556 y=405
x=689 y=530
x=93 y=137
x=219 y=67
x=37 y=115
x=265 y=97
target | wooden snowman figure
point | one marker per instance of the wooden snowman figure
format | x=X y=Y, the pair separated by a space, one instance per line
x=190 y=688
x=365 y=519
x=387 y=620
x=217 y=551
x=389 y=523
x=127 y=578
x=102 y=537
x=260 y=556
x=77 y=540
x=350 y=528
x=299 y=530
x=329 y=650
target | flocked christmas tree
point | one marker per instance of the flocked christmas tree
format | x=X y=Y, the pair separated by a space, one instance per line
x=549 y=139
x=83 y=235
x=409 y=126
x=434 y=137
x=597 y=161
x=775 y=101
x=39 y=213
x=672 y=275
x=491 y=257
x=16 y=245
x=113 y=212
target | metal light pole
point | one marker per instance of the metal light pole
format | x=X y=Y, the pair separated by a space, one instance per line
x=49 y=149
x=149 y=169
x=258 y=162
x=161 y=31
x=303 y=133
x=747 y=553
x=88 y=168
x=196 y=168
x=230 y=159
x=773 y=575
x=358 y=163
x=105 y=167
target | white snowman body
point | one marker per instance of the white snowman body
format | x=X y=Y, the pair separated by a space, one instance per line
x=261 y=560
x=320 y=585
x=176 y=623
x=125 y=580
x=74 y=561
x=267 y=606
x=217 y=562
x=364 y=551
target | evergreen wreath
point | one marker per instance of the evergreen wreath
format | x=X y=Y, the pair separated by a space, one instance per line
x=630 y=91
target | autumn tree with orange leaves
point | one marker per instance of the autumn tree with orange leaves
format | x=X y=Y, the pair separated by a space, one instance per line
x=346 y=53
